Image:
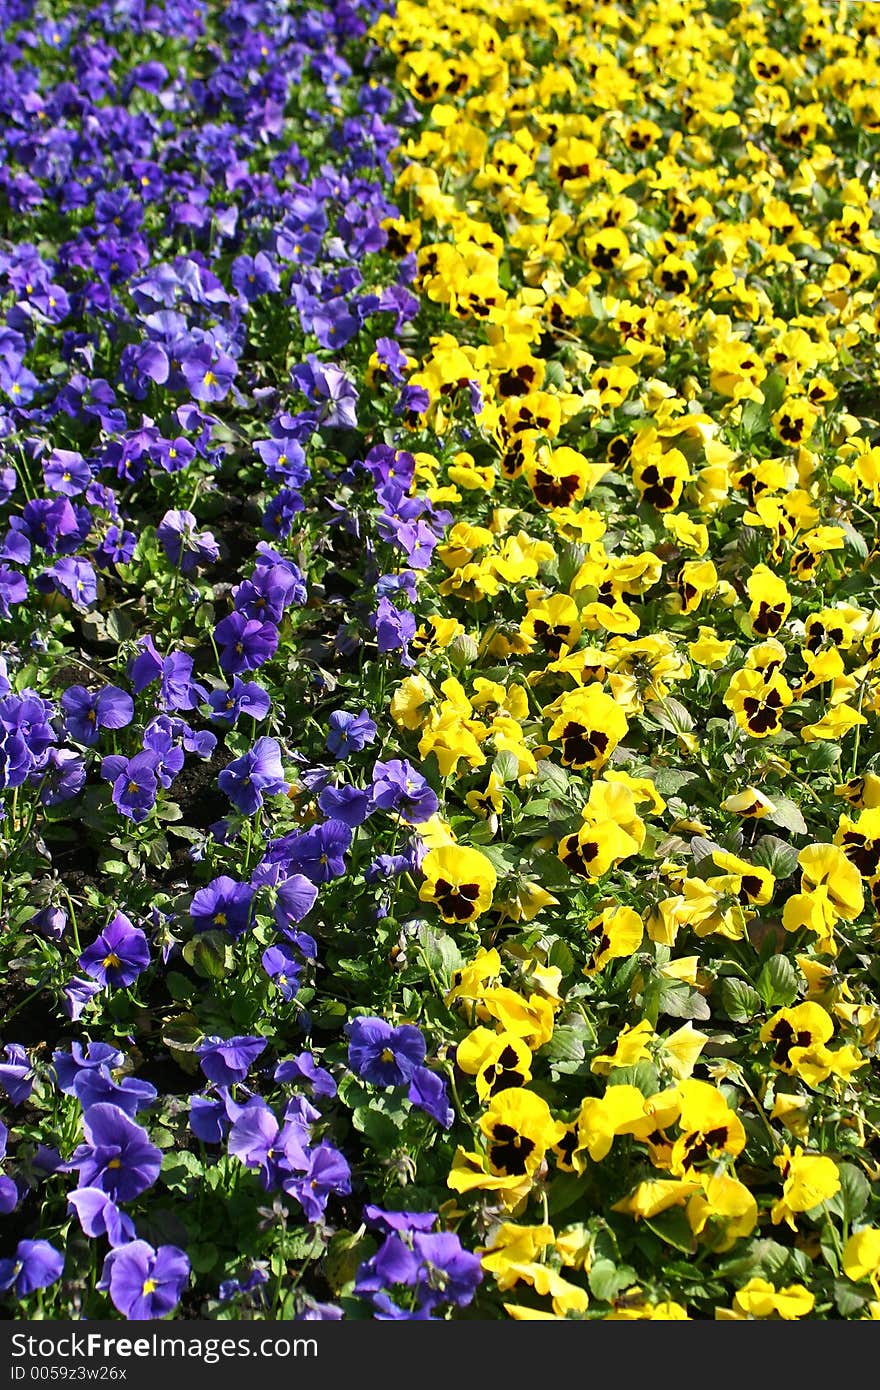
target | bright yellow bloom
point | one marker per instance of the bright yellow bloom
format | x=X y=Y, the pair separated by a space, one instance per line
x=459 y=881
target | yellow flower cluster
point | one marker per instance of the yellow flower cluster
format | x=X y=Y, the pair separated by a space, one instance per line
x=645 y=238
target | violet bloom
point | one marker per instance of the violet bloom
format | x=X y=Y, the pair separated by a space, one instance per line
x=208 y=373
x=117 y=1155
x=326 y=1174
x=258 y=771
x=13 y=589
x=255 y=275
x=135 y=785
x=389 y=356
x=394 y=628
x=118 y=956
x=86 y=712
x=284 y=460
x=144 y=1283
x=349 y=804
x=243 y=697
x=227 y=1060
x=211 y=1116
x=94 y=1086
x=384 y=1055
x=62 y=778
x=99 y=1215
x=96 y=1056
x=294 y=899
x=79 y=992
x=304 y=1068
x=281 y=511
x=66 y=472
x=376 y=1218
x=35 y=1265
x=319 y=853
x=224 y=905
x=269 y=591
x=160 y=740
x=16 y=1073
x=327 y=386
x=258 y=1141
x=397 y=786
x=185 y=547
x=427 y=1091
x=434 y=1265
x=283 y=969
x=349 y=733
x=72 y=577
x=50 y=922
x=244 y=643
x=231 y=1288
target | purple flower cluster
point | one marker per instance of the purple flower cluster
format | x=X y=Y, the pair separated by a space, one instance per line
x=416 y=1272
x=179 y=340
x=389 y=1056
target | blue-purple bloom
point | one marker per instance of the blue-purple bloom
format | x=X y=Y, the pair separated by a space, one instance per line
x=283 y=969
x=384 y=1055
x=35 y=1265
x=397 y=786
x=145 y=1283
x=259 y=771
x=227 y=1060
x=349 y=733
x=117 y=1155
x=16 y=1073
x=222 y=905
x=118 y=956
x=99 y=1215
x=86 y=712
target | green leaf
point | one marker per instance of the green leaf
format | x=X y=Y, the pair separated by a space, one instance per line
x=820 y=755
x=553 y=780
x=739 y=1001
x=671 y=715
x=441 y=952
x=183 y=1033
x=606 y=1279
x=787 y=815
x=119 y=625
x=505 y=765
x=180 y=1170
x=209 y=954
x=849 y=1298
x=382 y=1131
x=203 y=1258
x=561 y=957
x=564 y=1191
x=644 y=1076
x=777 y=855
x=673 y=1227
x=778 y=982
x=679 y=1000
x=755 y=414
x=565 y=1050
x=855 y=1191
x=116 y=867
x=179 y=987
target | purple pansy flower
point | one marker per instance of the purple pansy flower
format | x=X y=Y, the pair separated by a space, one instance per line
x=117 y=1155
x=258 y=771
x=118 y=956
x=384 y=1055
x=145 y=1283
x=35 y=1265
x=227 y=1060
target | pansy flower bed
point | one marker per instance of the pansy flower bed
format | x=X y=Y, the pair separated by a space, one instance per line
x=439 y=660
